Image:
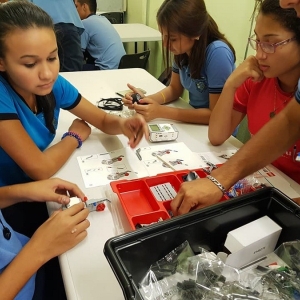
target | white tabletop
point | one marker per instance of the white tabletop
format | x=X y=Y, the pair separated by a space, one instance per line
x=86 y=272
x=136 y=32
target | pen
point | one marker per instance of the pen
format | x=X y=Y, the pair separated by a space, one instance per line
x=166 y=163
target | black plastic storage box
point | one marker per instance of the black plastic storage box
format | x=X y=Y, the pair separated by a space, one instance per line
x=131 y=254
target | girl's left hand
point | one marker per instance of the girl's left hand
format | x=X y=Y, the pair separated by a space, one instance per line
x=53 y=189
x=134 y=128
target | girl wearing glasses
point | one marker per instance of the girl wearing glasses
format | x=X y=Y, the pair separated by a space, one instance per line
x=203 y=60
x=263 y=84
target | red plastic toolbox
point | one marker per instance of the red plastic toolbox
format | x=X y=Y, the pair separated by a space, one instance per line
x=140 y=204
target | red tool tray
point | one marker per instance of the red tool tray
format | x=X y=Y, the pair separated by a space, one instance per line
x=140 y=204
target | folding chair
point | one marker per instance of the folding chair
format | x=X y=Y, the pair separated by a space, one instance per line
x=136 y=60
x=114 y=17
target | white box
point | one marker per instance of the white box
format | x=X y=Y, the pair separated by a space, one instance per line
x=252 y=241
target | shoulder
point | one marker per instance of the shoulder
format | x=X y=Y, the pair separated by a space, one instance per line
x=65 y=93
x=62 y=86
x=8 y=95
x=95 y=21
x=217 y=45
x=217 y=48
x=218 y=52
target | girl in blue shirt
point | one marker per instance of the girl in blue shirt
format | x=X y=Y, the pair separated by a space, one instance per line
x=61 y=232
x=203 y=60
x=31 y=96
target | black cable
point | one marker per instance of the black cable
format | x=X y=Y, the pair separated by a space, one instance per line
x=110 y=104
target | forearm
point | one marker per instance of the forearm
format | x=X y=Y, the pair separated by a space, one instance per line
x=99 y=118
x=19 y=271
x=220 y=123
x=263 y=148
x=111 y=124
x=194 y=116
x=166 y=95
x=52 y=159
x=10 y=195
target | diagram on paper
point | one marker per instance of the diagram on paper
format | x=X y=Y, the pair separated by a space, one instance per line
x=215 y=157
x=100 y=169
x=166 y=158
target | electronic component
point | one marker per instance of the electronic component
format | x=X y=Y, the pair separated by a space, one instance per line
x=91 y=204
x=136 y=99
x=96 y=204
x=162 y=132
x=73 y=201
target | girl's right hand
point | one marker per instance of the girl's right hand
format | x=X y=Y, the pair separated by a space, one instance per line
x=127 y=100
x=80 y=127
x=61 y=232
x=249 y=68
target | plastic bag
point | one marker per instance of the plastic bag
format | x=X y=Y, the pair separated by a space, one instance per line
x=244 y=186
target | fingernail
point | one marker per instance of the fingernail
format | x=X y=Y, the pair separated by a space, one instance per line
x=85 y=198
x=65 y=200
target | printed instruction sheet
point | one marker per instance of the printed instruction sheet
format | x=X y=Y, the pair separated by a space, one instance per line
x=101 y=168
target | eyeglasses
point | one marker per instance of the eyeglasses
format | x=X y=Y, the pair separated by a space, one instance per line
x=267 y=47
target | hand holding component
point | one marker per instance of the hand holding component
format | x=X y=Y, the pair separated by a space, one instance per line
x=53 y=189
x=150 y=111
x=128 y=100
x=61 y=232
x=195 y=194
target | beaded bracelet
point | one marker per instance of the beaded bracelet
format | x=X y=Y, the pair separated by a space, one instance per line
x=74 y=135
x=217 y=183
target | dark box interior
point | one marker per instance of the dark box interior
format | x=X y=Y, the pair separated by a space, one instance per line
x=131 y=254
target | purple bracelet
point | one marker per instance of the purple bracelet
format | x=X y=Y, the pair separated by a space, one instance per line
x=74 y=135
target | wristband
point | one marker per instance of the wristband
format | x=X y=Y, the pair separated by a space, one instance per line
x=74 y=135
x=217 y=183
x=163 y=97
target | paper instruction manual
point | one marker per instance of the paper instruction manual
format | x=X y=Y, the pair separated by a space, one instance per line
x=126 y=163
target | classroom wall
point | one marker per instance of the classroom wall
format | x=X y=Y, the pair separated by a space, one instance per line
x=232 y=16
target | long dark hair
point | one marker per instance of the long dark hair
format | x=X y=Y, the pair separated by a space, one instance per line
x=287 y=18
x=24 y=15
x=190 y=18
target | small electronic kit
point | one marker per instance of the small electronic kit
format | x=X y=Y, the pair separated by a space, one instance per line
x=162 y=132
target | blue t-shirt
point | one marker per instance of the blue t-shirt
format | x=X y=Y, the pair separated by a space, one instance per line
x=219 y=64
x=297 y=95
x=12 y=106
x=61 y=11
x=102 y=41
x=8 y=251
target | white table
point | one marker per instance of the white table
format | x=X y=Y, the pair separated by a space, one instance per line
x=86 y=272
x=136 y=32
